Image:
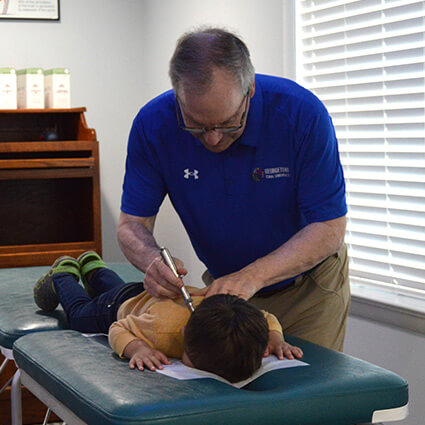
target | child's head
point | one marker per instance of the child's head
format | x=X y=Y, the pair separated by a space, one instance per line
x=227 y=336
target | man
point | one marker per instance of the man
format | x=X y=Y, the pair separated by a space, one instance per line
x=251 y=166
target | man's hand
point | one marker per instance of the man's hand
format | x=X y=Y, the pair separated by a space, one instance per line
x=135 y=236
x=280 y=348
x=141 y=355
x=307 y=248
x=235 y=284
x=160 y=280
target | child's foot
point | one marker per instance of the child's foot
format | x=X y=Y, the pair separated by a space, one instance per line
x=89 y=262
x=44 y=291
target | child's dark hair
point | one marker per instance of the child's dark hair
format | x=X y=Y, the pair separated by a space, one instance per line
x=227 y=336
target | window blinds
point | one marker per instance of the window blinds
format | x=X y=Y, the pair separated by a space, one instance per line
x=365 y=60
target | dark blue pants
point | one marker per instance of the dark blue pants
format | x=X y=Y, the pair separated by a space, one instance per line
x=93 y=315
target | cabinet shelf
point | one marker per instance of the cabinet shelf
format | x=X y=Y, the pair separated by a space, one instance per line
x=49 y=189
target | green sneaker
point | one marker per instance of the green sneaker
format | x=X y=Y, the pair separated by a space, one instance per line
x=89 y=262
x=44 y=291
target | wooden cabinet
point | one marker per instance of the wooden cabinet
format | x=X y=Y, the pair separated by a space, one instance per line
x=49 y=186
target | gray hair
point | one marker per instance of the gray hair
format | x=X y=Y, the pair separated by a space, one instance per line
x=201 y=51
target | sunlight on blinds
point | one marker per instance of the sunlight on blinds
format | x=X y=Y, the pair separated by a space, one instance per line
x=365 y=60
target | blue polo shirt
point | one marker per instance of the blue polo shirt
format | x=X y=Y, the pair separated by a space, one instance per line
x=238 y=205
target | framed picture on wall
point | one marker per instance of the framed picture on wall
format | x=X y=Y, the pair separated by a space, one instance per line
x=47 y=10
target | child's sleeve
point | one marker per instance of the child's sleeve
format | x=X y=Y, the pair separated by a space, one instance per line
x=272 y=321
x=132 y=328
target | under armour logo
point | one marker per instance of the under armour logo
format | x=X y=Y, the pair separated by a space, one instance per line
x=188 y=173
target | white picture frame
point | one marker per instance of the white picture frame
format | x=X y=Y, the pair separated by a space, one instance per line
x=47 y=10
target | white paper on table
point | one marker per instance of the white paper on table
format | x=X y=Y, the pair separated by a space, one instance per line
x=178 y=370
x=93 y=335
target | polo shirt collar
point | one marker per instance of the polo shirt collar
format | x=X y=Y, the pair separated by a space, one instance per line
x=251 y=134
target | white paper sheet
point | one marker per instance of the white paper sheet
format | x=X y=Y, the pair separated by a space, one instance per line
x=93 y=335
x=178 y=370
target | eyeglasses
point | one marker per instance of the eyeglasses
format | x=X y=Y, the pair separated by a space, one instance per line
x=222 y=130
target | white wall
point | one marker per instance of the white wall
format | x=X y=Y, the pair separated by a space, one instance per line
x=118 y=53
x=101 y=42
x=259 y=23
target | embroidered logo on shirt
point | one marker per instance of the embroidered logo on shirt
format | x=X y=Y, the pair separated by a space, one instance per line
x=188 y=174
x=270 y=173
x=258 y=174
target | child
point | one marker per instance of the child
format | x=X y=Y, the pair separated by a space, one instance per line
x=225 y=335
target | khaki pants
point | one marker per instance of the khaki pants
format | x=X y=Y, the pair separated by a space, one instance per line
x=315 y=307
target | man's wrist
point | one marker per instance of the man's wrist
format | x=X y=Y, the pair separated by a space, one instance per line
x=268 y=270
x=155 y=259
x=252 y=275
x=150 y=257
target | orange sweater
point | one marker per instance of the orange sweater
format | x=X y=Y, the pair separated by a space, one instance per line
x=158 y=322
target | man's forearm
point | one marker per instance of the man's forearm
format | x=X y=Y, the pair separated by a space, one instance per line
x=135 y=236
x=304 y=250
x=137 y=242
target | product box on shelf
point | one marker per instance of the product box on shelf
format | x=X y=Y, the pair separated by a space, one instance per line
x=8 y=97
x=57 y=88
x=30 y=88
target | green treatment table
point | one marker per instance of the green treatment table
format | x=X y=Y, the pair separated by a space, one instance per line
x=20 y=316
x=84 y=382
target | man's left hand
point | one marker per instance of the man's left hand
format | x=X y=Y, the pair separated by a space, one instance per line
x=234 y=284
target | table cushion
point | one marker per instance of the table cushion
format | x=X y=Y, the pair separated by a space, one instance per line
x=101 y=389
x=19 y=314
